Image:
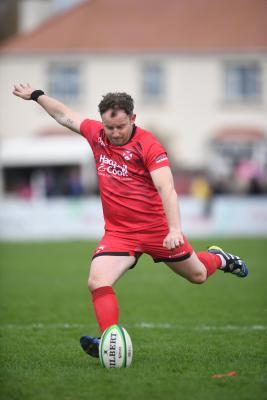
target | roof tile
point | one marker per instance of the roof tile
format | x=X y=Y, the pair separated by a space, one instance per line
x=150 y=25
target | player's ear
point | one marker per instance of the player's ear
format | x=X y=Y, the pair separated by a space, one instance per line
x=133 y=116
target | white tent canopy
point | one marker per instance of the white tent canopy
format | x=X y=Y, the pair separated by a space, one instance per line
x=44 y=151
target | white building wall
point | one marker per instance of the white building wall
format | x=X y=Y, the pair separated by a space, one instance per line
x=192 y=111
x=18 y=117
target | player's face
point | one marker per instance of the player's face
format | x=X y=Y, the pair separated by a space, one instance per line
x=118 y=128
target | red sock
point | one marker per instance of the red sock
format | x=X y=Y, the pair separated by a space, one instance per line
x=105 y=306
x=211 y=261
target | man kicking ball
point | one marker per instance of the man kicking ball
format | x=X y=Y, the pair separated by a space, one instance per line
x=140 y=204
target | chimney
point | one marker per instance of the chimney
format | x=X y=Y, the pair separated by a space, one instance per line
x=32 y=13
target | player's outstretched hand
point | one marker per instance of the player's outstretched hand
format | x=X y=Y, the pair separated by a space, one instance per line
x=23 y=91
x=173 y=240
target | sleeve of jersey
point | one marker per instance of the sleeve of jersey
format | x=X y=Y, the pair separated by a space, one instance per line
x=155 y=156
x=89 y=128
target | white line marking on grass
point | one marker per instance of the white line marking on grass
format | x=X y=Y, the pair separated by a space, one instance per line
x=141 y=325
x=43 y=326
x=151 y=325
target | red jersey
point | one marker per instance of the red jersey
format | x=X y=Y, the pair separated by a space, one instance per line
x=130 y=201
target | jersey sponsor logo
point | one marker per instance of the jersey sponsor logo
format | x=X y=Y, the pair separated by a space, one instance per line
x=111 y=167
x=161 y=158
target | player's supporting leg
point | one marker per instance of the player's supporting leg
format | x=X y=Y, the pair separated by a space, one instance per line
x=104 y=272
x=198 y=267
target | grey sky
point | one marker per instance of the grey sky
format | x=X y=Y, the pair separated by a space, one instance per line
x=60 y=5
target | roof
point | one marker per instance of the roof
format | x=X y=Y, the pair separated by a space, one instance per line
x=150 y=25
x=240 y=134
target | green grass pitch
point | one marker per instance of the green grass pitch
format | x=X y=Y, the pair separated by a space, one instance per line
x=182 y=333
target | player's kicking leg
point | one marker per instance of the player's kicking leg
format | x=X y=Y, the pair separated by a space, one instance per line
x=229 y=262
x=104 y=272
x=198 y=267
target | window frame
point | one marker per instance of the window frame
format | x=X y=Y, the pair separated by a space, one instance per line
x=157 y=96
x=241 y=95
x=64 y=95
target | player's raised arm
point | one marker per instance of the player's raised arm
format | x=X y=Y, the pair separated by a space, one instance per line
x=163 y=181
x=57 y=110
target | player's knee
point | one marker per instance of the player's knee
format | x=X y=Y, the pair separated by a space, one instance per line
x=92 y=283
x=198 y=277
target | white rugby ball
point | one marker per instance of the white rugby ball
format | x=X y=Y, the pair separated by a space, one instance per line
x=115 y=349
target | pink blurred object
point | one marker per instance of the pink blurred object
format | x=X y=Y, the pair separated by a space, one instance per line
x=246 y=170
x=232 y=373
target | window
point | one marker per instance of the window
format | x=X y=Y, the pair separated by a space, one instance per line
x=153 y=82
x=64 y=82
x=242 y=83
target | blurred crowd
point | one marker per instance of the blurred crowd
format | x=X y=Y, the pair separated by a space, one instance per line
x=245 y=178
x=47 y=182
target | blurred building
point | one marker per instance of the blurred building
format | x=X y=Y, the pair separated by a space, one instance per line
x=20 y=16
x=196 y=69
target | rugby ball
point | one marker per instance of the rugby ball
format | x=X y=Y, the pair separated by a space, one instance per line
x=115 y=349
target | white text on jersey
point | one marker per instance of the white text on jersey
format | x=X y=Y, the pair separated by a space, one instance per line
x=111 y=166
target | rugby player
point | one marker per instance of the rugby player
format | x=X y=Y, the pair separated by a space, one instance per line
x=140 y=204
